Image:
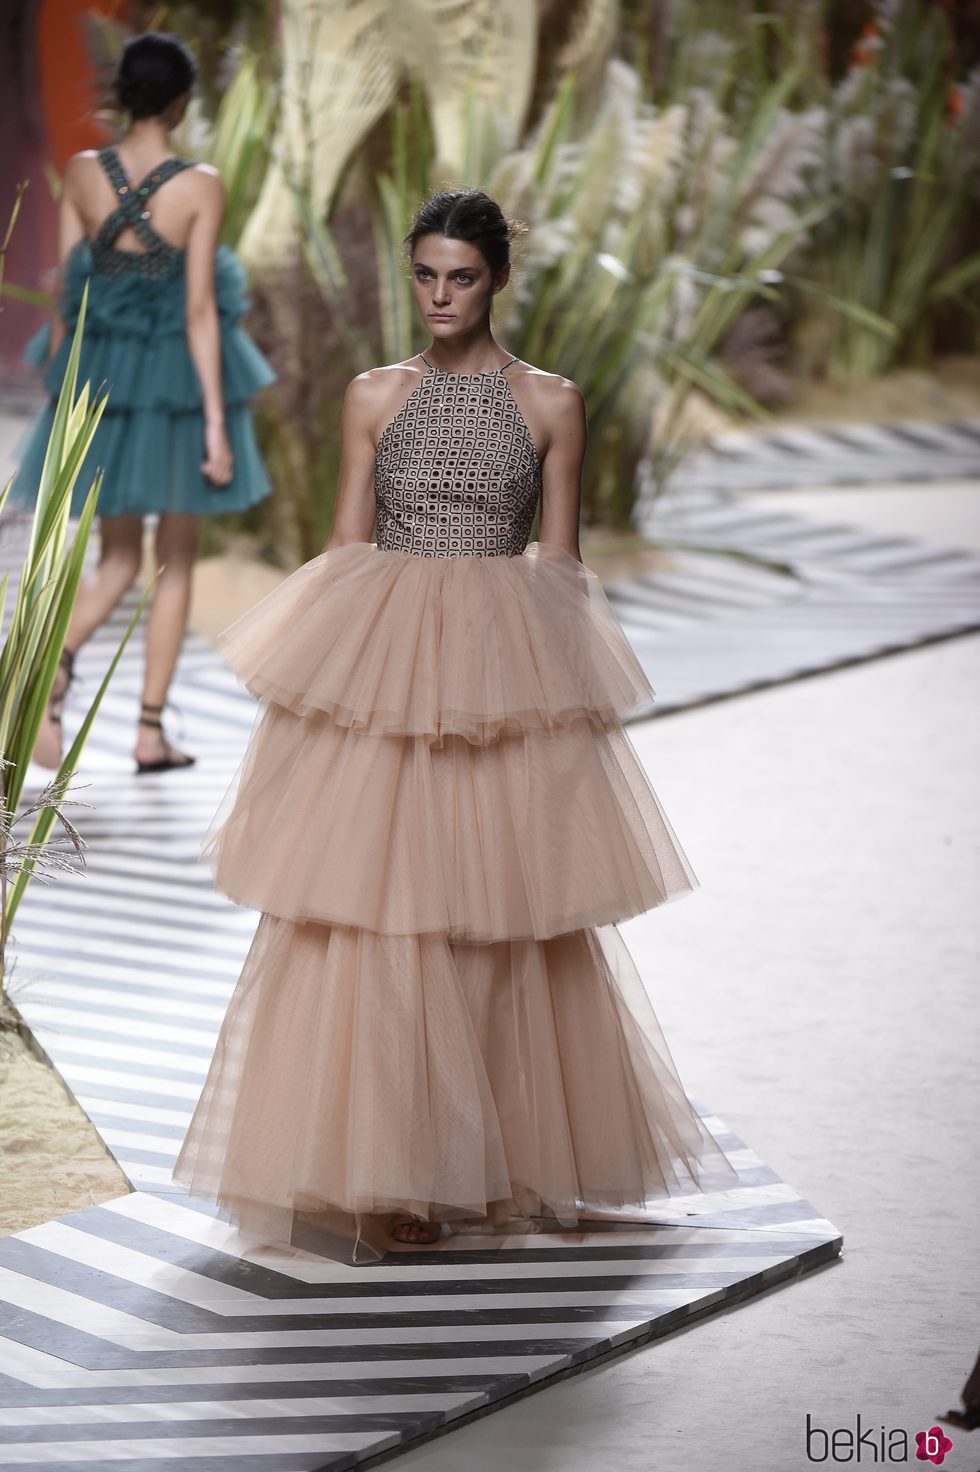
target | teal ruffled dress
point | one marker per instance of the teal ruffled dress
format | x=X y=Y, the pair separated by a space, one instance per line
x=150 y=442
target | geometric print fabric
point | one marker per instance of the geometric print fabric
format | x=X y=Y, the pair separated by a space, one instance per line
x=457 y=473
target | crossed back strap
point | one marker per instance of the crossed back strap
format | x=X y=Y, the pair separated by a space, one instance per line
x=131 y=210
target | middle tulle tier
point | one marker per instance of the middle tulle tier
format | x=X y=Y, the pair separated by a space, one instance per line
x=533 y=835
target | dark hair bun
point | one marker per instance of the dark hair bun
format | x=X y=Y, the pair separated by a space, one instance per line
x=154 y=70
x=470 y=215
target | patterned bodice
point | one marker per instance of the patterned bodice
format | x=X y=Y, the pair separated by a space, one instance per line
x=159 y=259
x=456 y=472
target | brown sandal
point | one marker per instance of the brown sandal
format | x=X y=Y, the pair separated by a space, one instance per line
x=430 y=1232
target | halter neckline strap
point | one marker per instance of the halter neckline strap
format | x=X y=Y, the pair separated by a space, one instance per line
x=484 y=373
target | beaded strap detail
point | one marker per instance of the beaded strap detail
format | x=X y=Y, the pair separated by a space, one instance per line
x=131 y=212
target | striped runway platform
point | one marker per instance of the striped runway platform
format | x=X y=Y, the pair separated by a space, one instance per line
x=795 y=455
x=147 y=1330
x=769 y=596
x=144 y=1332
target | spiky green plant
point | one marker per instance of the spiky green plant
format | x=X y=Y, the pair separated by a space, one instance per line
x=35 y=638
x=649 y=236
x=236 y=140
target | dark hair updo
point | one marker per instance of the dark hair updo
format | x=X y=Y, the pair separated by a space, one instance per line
x=154 y=70
x=470 y=215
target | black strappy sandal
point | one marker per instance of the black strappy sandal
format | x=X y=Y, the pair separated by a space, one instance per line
x=164 y=763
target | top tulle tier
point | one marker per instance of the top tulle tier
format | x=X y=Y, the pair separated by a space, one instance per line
x=385 y=643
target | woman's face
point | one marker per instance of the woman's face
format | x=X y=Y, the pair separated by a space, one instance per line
x=453 y=285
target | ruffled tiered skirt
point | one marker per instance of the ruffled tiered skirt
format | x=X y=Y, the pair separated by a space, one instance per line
x=150 y=441
x=441 y=819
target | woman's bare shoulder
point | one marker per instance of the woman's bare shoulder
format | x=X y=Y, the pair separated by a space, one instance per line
x=411 y=370
x=549 y=394
x=82 y=179
x=199 y=187
x=80 y=165
x=377 y=386
x=378 y=393
x=548 y=387
x=204 y=177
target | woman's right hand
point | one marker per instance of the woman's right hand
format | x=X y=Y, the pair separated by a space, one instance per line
x=219 y=462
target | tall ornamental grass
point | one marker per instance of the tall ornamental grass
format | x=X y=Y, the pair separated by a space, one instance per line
x=902 y=163
x=32 y=647
x=715 y=199
x=652 y=231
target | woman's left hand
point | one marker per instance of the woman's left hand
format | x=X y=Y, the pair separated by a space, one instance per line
x=218 y=462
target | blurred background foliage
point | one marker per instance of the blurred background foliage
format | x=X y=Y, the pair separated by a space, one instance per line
x=725 y=198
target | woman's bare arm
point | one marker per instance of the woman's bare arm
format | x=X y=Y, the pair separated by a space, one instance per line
x=563 y=410
x=354 y=512
x=203 y=328
x=71 y=229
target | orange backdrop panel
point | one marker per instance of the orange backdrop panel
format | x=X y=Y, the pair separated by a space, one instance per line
x=68 y=82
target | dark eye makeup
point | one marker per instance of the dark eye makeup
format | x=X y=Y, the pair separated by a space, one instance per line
x=463 y=276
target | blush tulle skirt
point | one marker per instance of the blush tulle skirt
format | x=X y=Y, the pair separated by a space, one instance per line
x=441 y=820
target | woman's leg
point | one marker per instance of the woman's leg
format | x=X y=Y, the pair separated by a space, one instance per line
x=120 y=554
x=176 y=549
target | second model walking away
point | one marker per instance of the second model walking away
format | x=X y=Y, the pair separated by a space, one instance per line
x=138 y=230
x=441 y=818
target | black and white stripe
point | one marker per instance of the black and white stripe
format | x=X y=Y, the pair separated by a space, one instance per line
x=145 y=1322
x=796 y=455
x=725 y=619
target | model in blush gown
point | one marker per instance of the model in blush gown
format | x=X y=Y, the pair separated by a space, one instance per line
x=441 y=819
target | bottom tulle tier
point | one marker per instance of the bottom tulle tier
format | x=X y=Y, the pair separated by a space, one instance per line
x=510 y=1084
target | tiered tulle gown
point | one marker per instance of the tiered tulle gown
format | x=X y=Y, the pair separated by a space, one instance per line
x=441 y=819
x=150 y=441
